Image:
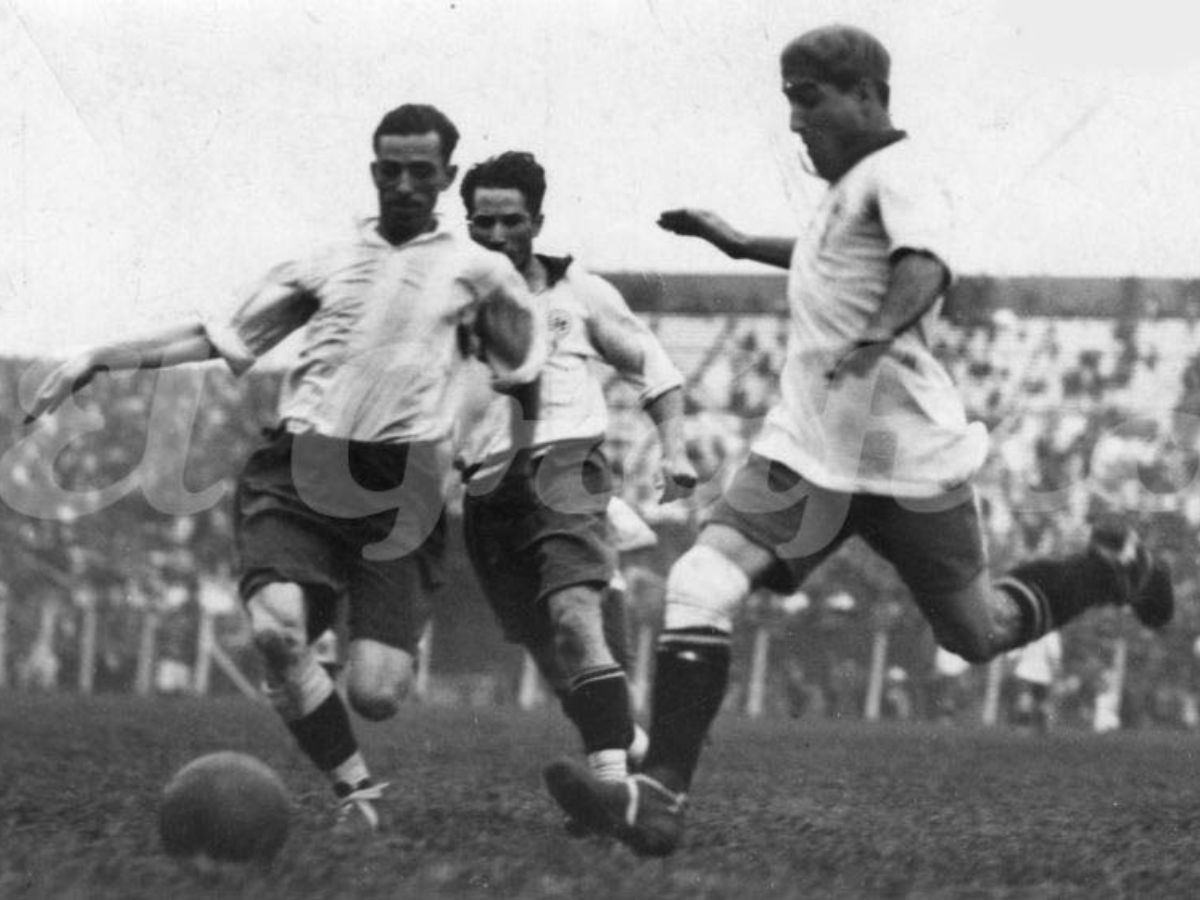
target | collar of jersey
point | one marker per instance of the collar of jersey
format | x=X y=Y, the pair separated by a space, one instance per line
x=869 y=144
x=556 y=268
x=369 y=229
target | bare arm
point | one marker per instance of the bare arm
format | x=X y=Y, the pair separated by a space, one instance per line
x=918 y=279
x=678 y=474
x=273 y=311
x=708 y=226
x=171 y=347
x=627 y=344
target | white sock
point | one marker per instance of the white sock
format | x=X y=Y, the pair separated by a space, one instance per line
x=352 y=772
x=307 y=685
x=608 y=765
x=638 y=746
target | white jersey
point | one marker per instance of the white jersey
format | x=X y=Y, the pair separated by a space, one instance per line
x=902 y=430
x=588 y=322
x=384 y=333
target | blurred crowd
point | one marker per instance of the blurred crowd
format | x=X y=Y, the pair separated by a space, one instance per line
x=120 y=504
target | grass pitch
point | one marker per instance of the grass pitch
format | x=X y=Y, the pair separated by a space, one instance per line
x=782 y=809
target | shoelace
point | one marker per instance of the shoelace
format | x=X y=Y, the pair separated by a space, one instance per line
x=361 y=800
x=636 y=783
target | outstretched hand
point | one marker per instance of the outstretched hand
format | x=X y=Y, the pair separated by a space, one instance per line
x=60 y=384
x=699 y=223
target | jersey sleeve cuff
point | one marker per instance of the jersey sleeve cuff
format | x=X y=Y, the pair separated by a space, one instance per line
x=230 y=346
x=650 y=393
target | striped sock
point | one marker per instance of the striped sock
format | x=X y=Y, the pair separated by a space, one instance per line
x=597 y=701
x=314 y=713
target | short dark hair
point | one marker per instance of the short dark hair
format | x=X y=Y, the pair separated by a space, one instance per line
x=418 y=118
x=842 y=55
x=515 y=169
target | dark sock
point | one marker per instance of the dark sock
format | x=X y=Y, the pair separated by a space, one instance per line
x=597 y=701
x=1052 y=592
x=325 y=734
x=689 y=685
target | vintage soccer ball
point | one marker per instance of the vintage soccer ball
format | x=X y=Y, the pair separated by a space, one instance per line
x=224 y=807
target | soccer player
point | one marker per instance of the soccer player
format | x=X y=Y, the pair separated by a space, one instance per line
x=869 y=438
x=346 y=497
x=535 y=516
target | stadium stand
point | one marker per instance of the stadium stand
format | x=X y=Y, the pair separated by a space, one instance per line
x=1087 y=414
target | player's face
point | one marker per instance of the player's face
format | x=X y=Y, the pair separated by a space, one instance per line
x=501 y=221
x=829 y=120
x=409 y=172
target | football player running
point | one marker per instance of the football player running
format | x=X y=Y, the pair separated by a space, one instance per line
x=535 y=515
x=869 y=438
x=346 y=498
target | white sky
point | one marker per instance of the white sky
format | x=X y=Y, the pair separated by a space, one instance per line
x=157 y=156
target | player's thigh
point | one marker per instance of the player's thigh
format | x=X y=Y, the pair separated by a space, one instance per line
x=573 y=477
x=388 y=610
x=281 y=545
x=938 y=549
x=501 y=550
x=964 y=621
x=775 y=525
x=387 y=603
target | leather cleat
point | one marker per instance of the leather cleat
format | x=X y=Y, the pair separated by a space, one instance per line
x=1145 y=578
x=638 y=811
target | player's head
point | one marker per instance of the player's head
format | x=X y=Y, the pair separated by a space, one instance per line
x=413 y=146
x=836 y=81
x=503 y=196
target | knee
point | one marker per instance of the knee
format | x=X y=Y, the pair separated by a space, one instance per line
x=377 y=684
x=278 y=624
x=376 y=705
x=974 y=647
x=704 y=590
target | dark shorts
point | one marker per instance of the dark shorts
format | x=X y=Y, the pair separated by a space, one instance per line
x=345 y=519
x=936 y=545
x=541 y=529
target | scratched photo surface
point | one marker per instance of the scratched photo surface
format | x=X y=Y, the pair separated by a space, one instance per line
x=161 y=162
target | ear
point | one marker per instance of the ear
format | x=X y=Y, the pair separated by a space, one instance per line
x=375 y=172
x=536 y=222
x=451 y=172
